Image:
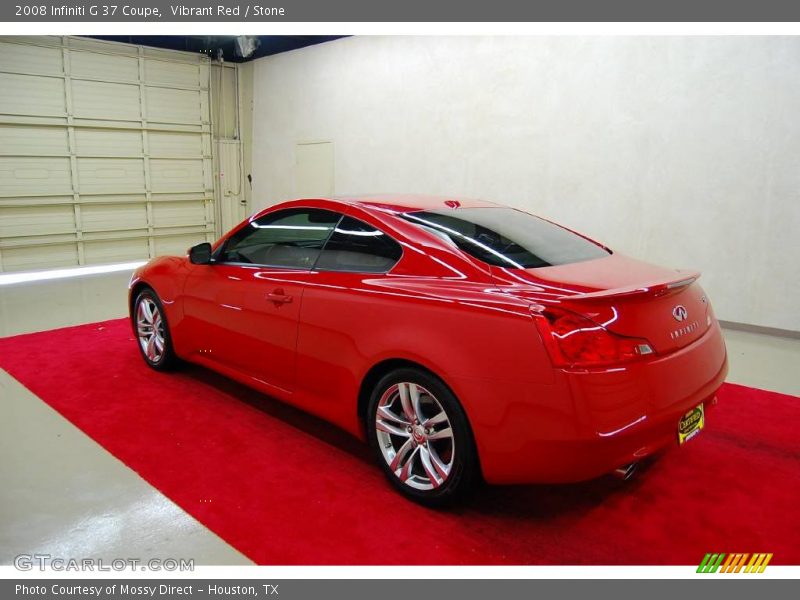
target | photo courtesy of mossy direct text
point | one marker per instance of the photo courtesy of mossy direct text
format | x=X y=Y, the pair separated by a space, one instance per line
x=152 y=591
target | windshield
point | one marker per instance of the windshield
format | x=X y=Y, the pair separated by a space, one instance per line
x=505 y=237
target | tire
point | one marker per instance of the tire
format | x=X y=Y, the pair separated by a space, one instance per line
x=434 y=465
x=152 y=331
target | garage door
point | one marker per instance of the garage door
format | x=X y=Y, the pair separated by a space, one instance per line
x=105 y=152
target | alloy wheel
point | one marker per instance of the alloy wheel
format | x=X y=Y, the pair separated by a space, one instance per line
x=150 y=329
x=415 y=436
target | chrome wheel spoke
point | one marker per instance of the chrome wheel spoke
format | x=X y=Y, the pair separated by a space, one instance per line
x=393 y=429
x=401 y=455
x=386 y=414
x=147 y=310
x=440 y=417
x=141 y=315
x=441 y=468
x=413 y=391
x=443 y=434
x=151 y=348
x=427 y=464
x=405 y=400
x=405 y=472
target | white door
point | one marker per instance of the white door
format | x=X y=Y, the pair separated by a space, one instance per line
x=105 y=152
x=233 y=203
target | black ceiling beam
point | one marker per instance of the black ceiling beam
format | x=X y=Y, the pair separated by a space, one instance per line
x=213 y=44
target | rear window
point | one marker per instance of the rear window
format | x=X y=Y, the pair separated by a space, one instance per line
x=505 y=237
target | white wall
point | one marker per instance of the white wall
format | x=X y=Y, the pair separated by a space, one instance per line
x=681 y=151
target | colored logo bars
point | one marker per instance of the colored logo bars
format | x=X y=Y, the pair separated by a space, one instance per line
x=736 y=562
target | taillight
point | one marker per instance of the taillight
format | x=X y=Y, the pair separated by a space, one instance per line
x=576 y=341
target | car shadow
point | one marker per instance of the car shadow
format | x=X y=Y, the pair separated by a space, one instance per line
x=537 y=502
x=294 y=417
x=548 y=501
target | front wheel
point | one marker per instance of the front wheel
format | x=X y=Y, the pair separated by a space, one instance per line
x=152 y=331
x=421 y=437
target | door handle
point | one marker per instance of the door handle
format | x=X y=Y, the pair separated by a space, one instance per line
x=279 y=297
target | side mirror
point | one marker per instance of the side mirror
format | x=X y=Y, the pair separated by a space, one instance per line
x=200 y=254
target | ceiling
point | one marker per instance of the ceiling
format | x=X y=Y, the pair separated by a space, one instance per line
x=267 y=45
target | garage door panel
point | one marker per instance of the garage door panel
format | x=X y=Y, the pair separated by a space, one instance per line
x=25 y=58
x=101 y=100
x=115 y=251
x=170 y=73
x=176 y=175
x=40 y=257
x=19 y=140
x=172 y=144
x=12 y=201
x=22 y=221
x=178 y=214
x=108 y=169
x=101 y=46
x=32 y=95
x=28 y=176
x=173 y=106
x=110 y=175
x=94 y=64
x=108 y=142
x=133 y=198
x=113 y=217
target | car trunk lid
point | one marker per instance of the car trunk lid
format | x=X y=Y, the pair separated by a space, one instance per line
x=627 y=297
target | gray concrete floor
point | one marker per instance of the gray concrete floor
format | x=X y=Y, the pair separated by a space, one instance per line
x=63 y=494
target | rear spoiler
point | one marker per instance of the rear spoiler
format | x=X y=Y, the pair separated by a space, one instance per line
x=656 y=288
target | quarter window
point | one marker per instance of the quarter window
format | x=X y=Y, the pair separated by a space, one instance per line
x=358 y=247
x=289 y=238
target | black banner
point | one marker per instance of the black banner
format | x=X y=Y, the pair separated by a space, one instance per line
x=463 y=589
x=405 y=11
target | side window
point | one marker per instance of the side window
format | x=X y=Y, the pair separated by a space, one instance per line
x=289 y=238
x=356 y=246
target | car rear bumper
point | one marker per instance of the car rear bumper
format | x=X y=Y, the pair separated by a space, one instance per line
x=591 y=422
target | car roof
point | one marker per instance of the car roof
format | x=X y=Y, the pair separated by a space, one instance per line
x=412 y=202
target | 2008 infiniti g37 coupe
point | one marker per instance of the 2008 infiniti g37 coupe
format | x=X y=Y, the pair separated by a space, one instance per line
x=461 y=338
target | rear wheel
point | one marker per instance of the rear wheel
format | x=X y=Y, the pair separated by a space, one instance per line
x=152 y=331
x=421 y=437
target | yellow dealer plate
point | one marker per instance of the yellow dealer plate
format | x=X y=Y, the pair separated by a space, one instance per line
x=691 y=424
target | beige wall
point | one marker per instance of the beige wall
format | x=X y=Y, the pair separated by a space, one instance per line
x=681 y=151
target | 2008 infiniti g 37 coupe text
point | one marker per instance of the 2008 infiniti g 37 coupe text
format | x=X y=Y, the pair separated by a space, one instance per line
x=461 y=338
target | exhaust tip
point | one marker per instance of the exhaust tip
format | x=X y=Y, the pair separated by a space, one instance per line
x=626 y=472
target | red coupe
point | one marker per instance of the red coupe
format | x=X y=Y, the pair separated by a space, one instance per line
x=461 y=338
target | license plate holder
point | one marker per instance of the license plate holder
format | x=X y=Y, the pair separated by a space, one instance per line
x=691 y=424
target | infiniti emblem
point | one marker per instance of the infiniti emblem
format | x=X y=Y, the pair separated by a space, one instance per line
x=680 y=313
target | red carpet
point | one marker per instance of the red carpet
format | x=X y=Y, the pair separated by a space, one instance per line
x=285 y=488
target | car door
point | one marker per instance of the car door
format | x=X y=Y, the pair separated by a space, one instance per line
x=343 y=305
x=243 y=308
